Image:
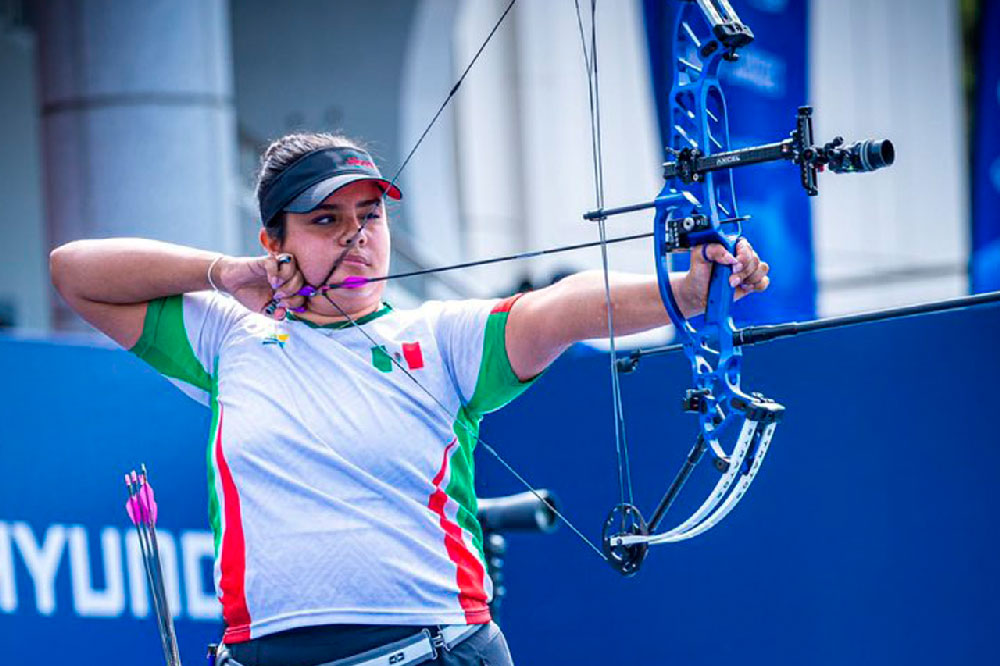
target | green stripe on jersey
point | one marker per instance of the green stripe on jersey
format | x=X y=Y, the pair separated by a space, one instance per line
x=461 y=484
x=164 y=343
x=496 y=385
x=214 y=506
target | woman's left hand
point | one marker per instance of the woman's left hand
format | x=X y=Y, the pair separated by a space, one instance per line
x=749 y=272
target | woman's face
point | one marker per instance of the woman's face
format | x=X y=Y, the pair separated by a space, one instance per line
x=318 y=238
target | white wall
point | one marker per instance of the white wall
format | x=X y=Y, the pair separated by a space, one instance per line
x=524 y=137
x=890 y=69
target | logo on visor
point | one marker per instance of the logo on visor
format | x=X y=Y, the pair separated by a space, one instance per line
x=357 y=161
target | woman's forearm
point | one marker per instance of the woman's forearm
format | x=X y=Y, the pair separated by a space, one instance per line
x=635 y=299
x=128 y=270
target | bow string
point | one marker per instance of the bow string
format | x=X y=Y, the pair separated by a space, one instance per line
x=444 y=412
x=696 y=206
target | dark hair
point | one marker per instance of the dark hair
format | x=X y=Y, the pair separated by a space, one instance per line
x=281 y=153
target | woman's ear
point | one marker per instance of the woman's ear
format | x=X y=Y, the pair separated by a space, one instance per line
x=270 y=245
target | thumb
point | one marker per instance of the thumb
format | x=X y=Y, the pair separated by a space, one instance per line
x=706 y=255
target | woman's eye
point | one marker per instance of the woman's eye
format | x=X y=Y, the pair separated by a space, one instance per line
x=324 y=220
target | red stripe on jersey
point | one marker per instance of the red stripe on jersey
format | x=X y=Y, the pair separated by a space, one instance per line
x=470 y=573
x=506 y=304
x=233 y=552
x=413 y=355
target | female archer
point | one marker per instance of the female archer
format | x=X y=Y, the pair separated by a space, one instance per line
x=340 y=453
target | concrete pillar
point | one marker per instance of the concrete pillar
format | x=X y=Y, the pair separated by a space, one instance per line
x=137 y=123
x=24 y=295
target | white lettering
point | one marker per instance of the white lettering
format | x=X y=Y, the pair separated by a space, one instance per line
x=42 y=562
x=138 y=585
x=8 y=593
x=42 y=559
x=87 y=601
x=761 y=70
x=195 y=547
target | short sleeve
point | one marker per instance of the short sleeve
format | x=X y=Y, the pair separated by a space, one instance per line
x=473 y=339
x=182 y=335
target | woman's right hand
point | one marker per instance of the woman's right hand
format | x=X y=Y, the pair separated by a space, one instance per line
x=257 y=281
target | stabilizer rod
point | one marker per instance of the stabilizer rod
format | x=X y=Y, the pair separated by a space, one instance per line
x=756 y=334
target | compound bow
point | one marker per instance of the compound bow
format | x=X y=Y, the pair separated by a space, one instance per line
x=696 y=206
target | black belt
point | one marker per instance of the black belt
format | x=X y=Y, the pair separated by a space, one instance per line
x=416 y=649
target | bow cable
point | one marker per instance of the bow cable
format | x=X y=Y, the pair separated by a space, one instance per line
x=469 y=430
x=353 y=240
x=590 y=66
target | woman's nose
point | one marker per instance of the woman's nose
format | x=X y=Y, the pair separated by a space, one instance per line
x=354 y=227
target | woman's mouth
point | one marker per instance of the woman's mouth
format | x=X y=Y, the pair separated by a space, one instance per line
x=355 y=260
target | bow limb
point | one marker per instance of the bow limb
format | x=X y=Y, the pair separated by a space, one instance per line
x=694 y=209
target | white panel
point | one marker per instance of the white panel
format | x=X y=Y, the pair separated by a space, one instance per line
x=490 y=154
x=559 y=182
x=890 y=69
x=429 y=182
x=525 y=140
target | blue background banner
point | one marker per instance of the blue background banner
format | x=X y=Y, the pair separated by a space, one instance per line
x=868 y=536
x=763 y=92
x=986 y=155
x=77 y=419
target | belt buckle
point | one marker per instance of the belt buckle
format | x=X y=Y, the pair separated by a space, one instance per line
x=438 y=642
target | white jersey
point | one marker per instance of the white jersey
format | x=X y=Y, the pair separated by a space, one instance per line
x=340 y=491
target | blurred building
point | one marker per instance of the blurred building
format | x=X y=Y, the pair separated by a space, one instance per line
x=147 y=118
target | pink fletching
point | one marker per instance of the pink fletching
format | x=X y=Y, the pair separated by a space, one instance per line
x=353 y=282
x=132 y=508
x=141 y=507
x=147 y=501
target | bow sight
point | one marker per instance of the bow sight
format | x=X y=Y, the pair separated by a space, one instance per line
x=690 y=165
